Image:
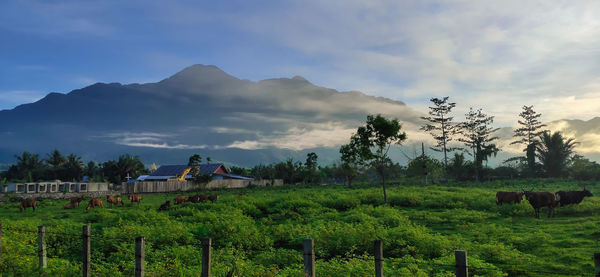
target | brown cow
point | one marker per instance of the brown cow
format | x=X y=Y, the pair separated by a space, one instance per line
x=76 y=200
x=135 y=198
x=114 y=200
x=165 y=206
x=94 y=202
x=213 y=198
x=541 y=199
x=26 y=203
x=179 y=199
x=508 y=197
x=198 y=198
x=71 y=205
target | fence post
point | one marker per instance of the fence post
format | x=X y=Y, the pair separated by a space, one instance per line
x=309 y=257
x=0 y=240
x=140 y=248
x=597 y=263
x=42 y=246
x=460 y=256
x=87 y=251
x=378 y=249
x=206 y=253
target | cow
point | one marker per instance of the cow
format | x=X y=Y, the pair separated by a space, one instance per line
x=213 y=198
x=135 y=198
x=541 y=199
x=71 y=205
x=114 y=200
x=567 y=197
x=26 y=203
x=94 y=202
x=508 y=197
x=74 y=201
x=179 y=199
x=198 y=198
x=165 y=206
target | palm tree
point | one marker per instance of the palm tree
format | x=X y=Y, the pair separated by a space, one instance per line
x=554 y=151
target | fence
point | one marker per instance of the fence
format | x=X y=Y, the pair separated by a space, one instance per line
x=460 y=266
x=170 y=186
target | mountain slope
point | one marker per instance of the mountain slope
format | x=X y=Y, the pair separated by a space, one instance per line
x=200 y=109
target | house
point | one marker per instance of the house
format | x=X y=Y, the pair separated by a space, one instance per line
x=218 y=171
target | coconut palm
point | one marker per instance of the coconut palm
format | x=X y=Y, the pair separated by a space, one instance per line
x=554 y=152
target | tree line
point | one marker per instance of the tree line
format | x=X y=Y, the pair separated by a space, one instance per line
x=31 y=167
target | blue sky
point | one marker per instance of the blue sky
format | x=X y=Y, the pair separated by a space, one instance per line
x=496 y=55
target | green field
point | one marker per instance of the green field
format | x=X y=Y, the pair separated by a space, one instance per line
x=261 y=232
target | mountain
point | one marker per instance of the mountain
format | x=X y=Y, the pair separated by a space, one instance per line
x=204 y=110
x=200 y=109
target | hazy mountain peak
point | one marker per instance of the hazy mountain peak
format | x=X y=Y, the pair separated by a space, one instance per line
x=199 y=75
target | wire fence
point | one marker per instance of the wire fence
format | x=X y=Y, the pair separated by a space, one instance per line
x=57 y=239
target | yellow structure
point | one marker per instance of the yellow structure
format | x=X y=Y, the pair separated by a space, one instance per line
x=182 y=176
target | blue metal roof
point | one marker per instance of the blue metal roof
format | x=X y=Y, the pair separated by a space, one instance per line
x=233 y=176
x=176 y=170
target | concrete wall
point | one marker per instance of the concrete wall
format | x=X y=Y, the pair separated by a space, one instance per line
x=169 y=186
x=55 y=187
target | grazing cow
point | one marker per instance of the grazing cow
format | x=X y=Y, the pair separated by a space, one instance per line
x=114 y=200
x=135 y=198
x=180 y=199
x=94 y=202
x=567 y=197
x=198 y=198
x=26 y=203
x=74 y=201
x=541 y=199
x=71 y=205
x=213 y=198
x=165 y=206
x=508 y=197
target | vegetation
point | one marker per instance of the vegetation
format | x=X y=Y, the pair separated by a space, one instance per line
x=478 y=137
x=554 y=152
x=374 y=141
x=440 y=126
x=260 y=233
x=528 y=134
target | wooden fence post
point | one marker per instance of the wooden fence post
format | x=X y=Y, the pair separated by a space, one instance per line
x=378 y=253
x=206 y=253
x=597 y=263
x=460 y=256
x=87 y=251
x=140 y=248
x=0 y=240
x=309 y=257
x=42 y=246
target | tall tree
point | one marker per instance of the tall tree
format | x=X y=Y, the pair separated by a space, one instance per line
x=374 y=141
x=351 y=161
x=73 y=167
x=311 y=167
x=528 y=134
x=440 y=125
x=478 y=136
x=194 y=160
x=554 y=152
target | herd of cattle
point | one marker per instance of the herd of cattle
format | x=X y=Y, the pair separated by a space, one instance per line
x=116 y=200
x=537 y=200
x=542 y=199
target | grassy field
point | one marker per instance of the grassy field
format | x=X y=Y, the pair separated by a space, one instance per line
x=260 y=233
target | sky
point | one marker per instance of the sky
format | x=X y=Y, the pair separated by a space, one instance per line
x=495 y=55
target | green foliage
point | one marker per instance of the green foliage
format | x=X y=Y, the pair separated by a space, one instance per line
x=554 y=152
x=261 y=233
